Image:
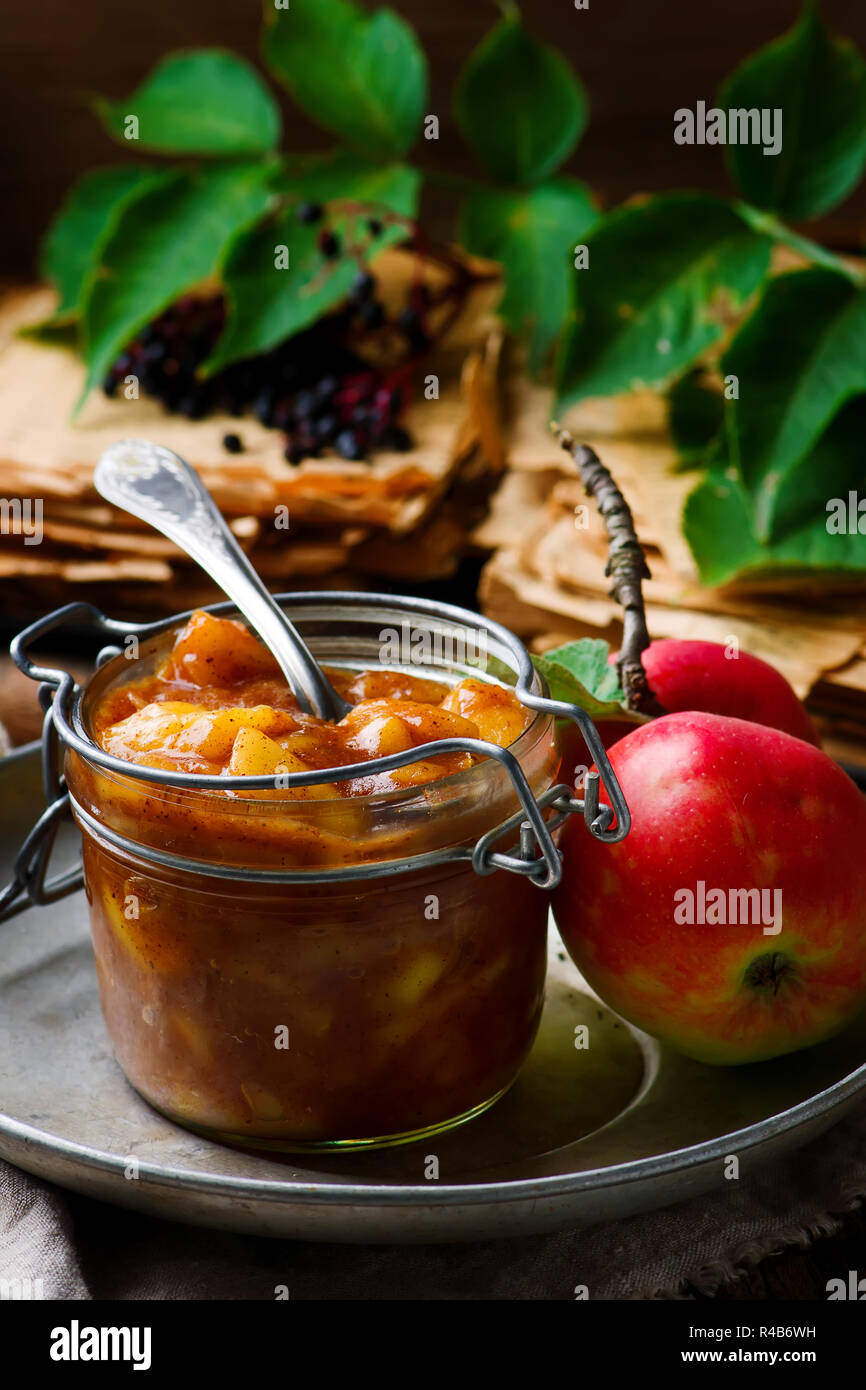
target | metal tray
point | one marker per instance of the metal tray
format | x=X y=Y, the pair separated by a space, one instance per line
x=583 y=1136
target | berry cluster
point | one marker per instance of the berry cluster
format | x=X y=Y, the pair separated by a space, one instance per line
x=316 y=386
x=313 y=386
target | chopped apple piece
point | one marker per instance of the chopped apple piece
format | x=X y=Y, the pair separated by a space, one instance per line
x=494 y=711
x=213 y=733
x=429 y=770
x=426 y=722
x=255 y=755
x=202 y=656
x=383 y=735
x=153 y=727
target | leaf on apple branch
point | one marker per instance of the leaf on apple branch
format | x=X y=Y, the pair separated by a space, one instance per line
x=580 y=673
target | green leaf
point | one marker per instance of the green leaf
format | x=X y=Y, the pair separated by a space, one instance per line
x=818 y=82
x=663 y=278
x=340 y=174
x=719 y=518
x=696 y=418
x=361 y=76
x=82 y=226
x=533 y=235
x=798 y=358
x=519 y=105
x=580 y=673
x=52 y=333
x=268 y=304
x=206 y=102
x=166 y=242
x=768 y=224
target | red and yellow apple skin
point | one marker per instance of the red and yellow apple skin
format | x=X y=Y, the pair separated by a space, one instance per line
x=685 y=675
x=703 y=676
x=737 y=806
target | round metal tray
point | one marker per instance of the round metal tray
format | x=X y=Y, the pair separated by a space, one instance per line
x=585 y=1134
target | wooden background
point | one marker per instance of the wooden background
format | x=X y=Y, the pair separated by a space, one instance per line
x=639 y=59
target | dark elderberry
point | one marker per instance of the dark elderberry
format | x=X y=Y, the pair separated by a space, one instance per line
x=349 y=445
x=363 y=286
x=314 y=387
x=308 y=213
x=282 y=415
x=326 y=427
x=329 y=245
x=326 y=388
x=305 y=405
x=411 y=325
x=372 y=315
x=263 y=408
x=395 y=437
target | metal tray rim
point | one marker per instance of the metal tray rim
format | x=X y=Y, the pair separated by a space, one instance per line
x=387 y=1194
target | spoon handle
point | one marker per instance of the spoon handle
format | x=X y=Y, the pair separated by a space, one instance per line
x=159 y=487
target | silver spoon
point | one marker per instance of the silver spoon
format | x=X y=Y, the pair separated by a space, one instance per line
x=159 y=487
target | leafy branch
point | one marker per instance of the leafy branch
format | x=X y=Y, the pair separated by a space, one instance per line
x=775 y=419
x=130 y=239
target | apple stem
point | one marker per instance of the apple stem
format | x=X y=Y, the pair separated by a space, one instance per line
x=626 y=565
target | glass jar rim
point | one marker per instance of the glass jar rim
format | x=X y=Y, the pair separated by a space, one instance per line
x=528 y=682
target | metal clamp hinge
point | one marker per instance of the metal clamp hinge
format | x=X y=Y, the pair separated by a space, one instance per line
x=544 y=869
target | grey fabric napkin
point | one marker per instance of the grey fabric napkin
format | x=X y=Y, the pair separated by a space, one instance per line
x=83 y=1249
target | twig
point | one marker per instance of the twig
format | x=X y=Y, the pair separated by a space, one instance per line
x=626 y=564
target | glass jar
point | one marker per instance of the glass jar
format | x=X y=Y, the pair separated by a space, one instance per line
x=320 y=973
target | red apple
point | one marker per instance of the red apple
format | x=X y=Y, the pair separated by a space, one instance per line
x=704 y=676
x=760 y=838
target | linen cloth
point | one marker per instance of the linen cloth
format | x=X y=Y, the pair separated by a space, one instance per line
x=84 y=1249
